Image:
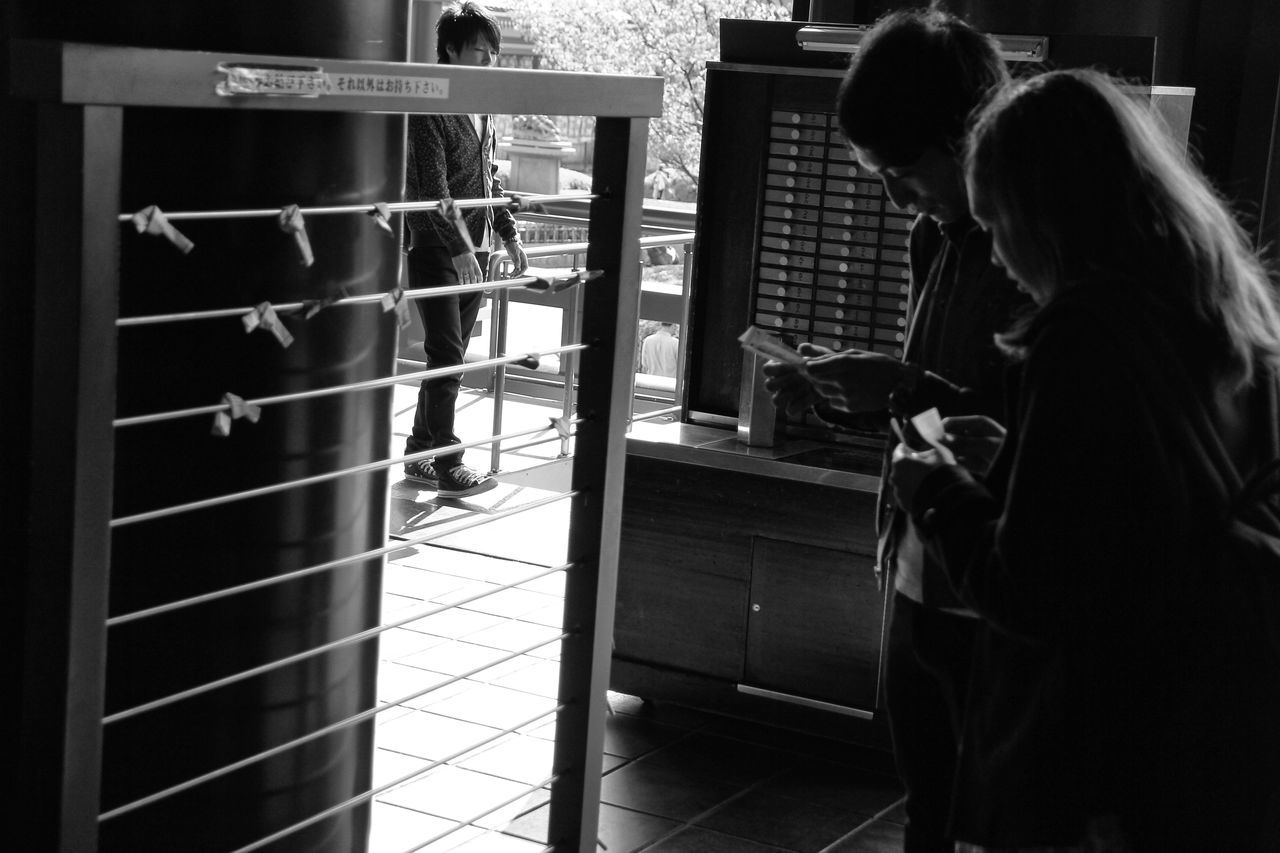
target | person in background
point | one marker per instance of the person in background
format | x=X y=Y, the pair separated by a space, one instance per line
x=1122 y=699
x=452 y=156
x=660 y=351
x=903 y=107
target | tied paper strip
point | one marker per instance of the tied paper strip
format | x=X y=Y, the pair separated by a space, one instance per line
x=381 y=214
x=453 y=213
x=562 y=426
x=238 y=409
x=151 y=220
x=556 y=280
x=290 y=221
x=264 y=316
x=393 y=300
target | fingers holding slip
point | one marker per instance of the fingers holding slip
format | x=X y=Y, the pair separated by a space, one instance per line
x=789 y=387
x=974 y=439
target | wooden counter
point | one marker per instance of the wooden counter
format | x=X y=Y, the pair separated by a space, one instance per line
x=745 y=579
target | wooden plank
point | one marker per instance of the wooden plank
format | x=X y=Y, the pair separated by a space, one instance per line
x=128 y=76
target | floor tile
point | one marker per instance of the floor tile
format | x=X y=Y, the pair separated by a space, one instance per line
x=879 y=836
x=493 y=706
x=428 y=735
x=396 y=829
x=660 y=790
x=457 y=623
x=807 y=807
x=496 y=842
x=786 y=822
x=390 y=767
x=454 y=793
x=631 y=737
x=398 y=643
x=551 y=584
x=838 y=785
x=541 y=679
x=694 y=839
x=621 y=830
x=453 y=657
x=521 y=759
x=398 y=680
x=513 y=635
x=701 y=754
x=421 y=583
x=512 y=603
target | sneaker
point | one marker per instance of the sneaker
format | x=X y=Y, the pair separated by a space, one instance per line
x=422 y=472
x=459 y=481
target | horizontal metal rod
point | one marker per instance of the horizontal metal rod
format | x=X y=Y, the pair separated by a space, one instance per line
x=648 y=416
x=403 y=780
x=341 y=725
x=367 y=385
x=363 y=556
x=475 y=817
x=364 y=299
x=515 y=204
x=262 y=669
x=274 y=488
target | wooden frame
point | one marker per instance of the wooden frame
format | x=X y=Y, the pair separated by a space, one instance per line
x=83 y=92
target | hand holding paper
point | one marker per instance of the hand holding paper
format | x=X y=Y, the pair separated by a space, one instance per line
x=929 y=425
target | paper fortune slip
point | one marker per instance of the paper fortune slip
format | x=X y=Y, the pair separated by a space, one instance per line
x=762 y=343
x=929 y=424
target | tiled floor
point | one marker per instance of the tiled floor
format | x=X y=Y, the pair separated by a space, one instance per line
x=676 y=780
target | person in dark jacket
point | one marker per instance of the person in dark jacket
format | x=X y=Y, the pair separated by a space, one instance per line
x=451 y=157
x=903 y=107
x=1119 y=701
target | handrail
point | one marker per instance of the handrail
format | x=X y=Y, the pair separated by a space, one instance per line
x=500 y=320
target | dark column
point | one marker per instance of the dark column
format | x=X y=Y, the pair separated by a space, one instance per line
x=197 y=160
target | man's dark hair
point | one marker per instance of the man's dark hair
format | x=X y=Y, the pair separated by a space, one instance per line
x=916 y=78
x=462 y=23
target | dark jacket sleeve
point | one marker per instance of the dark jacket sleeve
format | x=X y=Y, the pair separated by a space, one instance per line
x=427 y=179
x=1086 y=509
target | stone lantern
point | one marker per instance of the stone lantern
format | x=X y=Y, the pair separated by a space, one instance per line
x=535 y=148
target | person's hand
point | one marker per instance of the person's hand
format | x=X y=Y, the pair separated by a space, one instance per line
x=468 y=268
x=974 y=439
x=515 y=252
x=788 y=384
x=855 y=380
x=909 y=467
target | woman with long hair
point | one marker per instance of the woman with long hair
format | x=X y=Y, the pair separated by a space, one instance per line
x=1120 y=699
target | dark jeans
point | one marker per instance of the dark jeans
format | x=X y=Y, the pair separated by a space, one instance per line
x=447 y=321
x=926 y=678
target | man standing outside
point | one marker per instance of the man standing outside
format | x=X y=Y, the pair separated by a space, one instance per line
x=660 y=352
x=903 y=106
x=451 y=156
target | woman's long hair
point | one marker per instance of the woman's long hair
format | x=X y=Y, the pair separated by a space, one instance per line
x=1087 y=184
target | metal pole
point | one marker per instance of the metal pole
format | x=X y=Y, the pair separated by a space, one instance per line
x=609 y=327
x=64 y=646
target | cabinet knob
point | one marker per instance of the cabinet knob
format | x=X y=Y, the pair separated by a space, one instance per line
x=755 y=608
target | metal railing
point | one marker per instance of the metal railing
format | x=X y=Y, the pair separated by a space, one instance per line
x=570 y=304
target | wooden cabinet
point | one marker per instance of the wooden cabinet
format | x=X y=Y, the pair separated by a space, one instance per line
x=740 y=590
x=813 y=624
